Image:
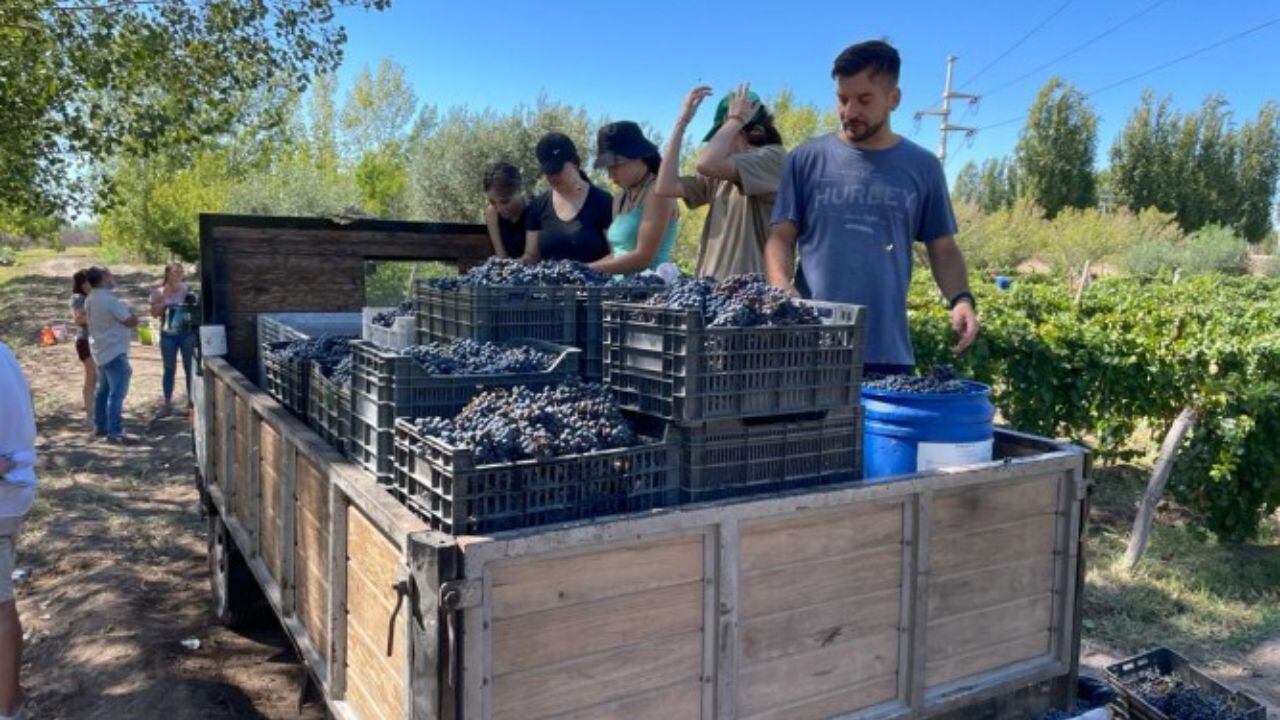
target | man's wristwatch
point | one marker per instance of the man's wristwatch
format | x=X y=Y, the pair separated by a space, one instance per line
x=961 y=297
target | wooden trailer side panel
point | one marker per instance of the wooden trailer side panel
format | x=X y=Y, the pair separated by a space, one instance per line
x=311 y=549
x=993 y=577
x=272 y=456
x=614 y=633
x=376 y=646
x=819 y=617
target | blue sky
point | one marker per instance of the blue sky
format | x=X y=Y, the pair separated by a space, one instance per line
x=636 y=60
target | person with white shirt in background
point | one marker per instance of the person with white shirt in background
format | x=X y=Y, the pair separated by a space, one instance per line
x=17 y=492
x=111 y=325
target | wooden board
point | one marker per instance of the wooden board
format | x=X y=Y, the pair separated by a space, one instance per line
x=312 y=550
x=988 y=658
x=862 y=695
x=798 y=679
x=781 y=542
x=269 y=502
x=992 y=546
x=216 y=403
x=374 y=679
x=967 y=509
x=250 y=265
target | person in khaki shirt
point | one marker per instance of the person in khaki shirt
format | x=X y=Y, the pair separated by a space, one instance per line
x=738 y=171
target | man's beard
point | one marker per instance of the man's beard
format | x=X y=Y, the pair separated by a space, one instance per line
x=858 y=132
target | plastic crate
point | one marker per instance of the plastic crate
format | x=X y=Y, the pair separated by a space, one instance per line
x=278 y=327
x=402 y=333
x=495 y=314
x=1164 y=662
x=287 y=380
x=445 y=486
x=731 y=458
x=386 y=385
x=664 y=362
x=590 y=333
x=329 y=409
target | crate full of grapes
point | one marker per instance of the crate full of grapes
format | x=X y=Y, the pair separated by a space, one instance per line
x=590 y=333
x=705 y=351
x=329 y=404
x=734 y=458
x=563 y=453
x=288 y=368
x=391 y=327
x=1163 y=685
x=438 y=379
x=490 y=313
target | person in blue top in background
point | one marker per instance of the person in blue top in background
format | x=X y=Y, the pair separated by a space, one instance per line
x=643 y=230
x=854 y=202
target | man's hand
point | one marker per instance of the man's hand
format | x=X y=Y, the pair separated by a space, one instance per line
x=742 y=106
x=691 y=103
x=6 y=466
x=964 y=320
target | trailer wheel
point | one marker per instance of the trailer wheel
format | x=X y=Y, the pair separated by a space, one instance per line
x=237 y=600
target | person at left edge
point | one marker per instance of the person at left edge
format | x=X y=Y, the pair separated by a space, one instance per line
x=568 y=221
x=17 y=493
x=504 y=208
x=643 y=230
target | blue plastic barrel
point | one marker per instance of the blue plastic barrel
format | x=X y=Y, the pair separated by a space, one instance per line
x=914 y=432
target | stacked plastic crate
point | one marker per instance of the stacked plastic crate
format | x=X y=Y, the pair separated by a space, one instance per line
x=757 y=409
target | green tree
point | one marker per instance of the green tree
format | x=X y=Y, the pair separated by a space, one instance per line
x=87 y=82
x=1259 y=155
x=1142 y=160
x=1055 y=150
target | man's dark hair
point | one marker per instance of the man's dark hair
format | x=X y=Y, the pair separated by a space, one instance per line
x=77 y=282
x=875 y=55
x=503 y=178
x=95 y=276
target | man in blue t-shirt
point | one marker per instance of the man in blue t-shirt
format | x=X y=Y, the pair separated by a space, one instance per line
x=855 y=201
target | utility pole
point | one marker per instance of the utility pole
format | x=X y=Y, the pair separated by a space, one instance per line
x=945 y=111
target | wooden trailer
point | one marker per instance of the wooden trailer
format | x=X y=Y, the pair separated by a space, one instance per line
x=947 y=594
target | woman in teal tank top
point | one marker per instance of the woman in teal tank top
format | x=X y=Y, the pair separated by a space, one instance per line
x=643 y=232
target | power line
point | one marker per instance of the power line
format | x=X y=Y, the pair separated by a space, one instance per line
x=1157 y=68
x=1017 y=44
x=1076 y=49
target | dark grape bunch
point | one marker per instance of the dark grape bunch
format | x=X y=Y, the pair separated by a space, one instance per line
x=387 y=318
x=327 y=351
x=1177 y=699
x=461 y=356
x=340 y=372
x=513 y=273
x=738 y=301
x=506 y=425
x=940 y=379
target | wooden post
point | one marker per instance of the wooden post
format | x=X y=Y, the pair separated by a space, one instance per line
x=337 y=651
x=433 y=561
x=1155 y=488
x=285 y=522
x=727 y=627
x=1084 y=283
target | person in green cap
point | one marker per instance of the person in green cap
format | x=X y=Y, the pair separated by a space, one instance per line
x=738 y=171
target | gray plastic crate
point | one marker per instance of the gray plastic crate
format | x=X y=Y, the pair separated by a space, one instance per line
x=1163 y=662
x=329 y=409
x=445 y=486
x=666 y=363
x=277 y=327
x=386 y=385
x=732 y=458
x=402 y=333
x=590 y=334
x=495 y=314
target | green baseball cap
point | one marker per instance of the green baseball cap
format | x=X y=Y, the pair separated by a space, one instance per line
x=722 y=112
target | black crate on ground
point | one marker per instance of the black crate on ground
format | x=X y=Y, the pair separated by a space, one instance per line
x=664 y=362
x=386 y=385
x=329 y=409
x=445 y=486
x=590 y=334
x=287 y=380
x=494 y=314
x=1165 y=662
x=732 y=458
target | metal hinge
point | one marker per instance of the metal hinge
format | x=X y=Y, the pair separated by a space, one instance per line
x=461 y=594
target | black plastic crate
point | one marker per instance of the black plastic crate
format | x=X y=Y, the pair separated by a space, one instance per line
x=664 y=362
x=1164 y=662
x=496 y=313
x=287 y=380
x=590 y=335
x=445 y=486
x=386 y=385
x=732 y=458
x=329 y=409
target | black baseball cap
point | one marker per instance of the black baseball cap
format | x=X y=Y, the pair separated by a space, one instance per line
x=554 y=150
x=621 y=141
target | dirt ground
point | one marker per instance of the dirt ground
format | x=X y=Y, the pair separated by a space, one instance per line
x=115 y=548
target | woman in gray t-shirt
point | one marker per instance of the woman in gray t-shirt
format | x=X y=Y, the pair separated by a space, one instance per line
x=79 y=291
